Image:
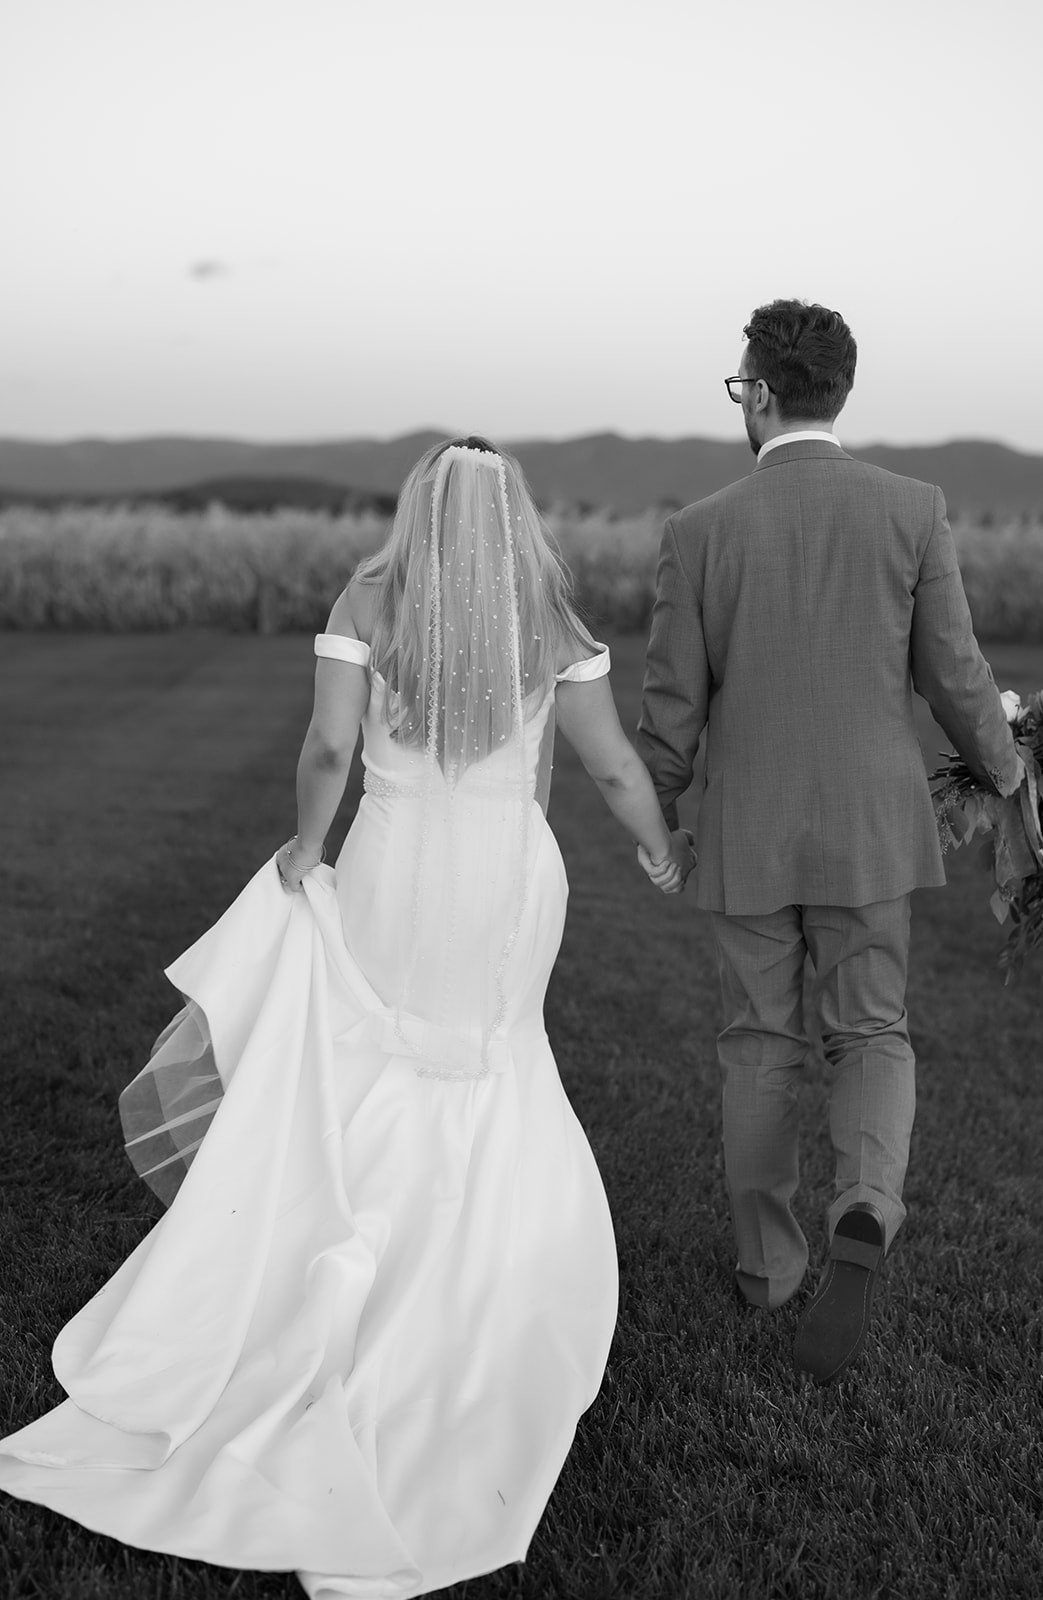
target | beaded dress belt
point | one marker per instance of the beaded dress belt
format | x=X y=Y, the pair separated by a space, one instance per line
x=388 y=789
x=415 y=788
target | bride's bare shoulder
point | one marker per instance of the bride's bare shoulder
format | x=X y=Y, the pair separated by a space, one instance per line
x=354 y=610
x=575 y=644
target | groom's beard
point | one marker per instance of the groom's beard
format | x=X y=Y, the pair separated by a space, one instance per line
x=754 y=443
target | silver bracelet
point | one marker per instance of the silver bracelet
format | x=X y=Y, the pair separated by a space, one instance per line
x=296 y=864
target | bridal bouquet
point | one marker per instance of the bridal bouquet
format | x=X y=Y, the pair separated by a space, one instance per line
x=1011 y=827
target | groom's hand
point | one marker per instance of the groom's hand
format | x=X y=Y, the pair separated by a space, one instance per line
x=670 y=874
x=1008 y=790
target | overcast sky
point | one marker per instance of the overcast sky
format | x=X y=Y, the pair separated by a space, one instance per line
x=318 y=218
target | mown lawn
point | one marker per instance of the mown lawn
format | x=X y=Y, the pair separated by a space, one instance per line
x=144 y=778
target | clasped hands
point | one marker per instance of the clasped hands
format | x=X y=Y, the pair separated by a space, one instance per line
x=671 y=872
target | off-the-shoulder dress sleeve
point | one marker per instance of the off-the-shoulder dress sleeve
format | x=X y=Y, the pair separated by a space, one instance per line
x=338 y=647
x=592 y=667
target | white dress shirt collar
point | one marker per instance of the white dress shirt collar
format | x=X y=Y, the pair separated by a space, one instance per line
x=794 y=438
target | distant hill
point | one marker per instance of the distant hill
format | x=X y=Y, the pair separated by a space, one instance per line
x=128 y=467
x=629 y=475
x=240 y=494
x=265 y=494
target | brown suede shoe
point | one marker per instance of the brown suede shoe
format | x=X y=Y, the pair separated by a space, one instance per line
x=833 y=1329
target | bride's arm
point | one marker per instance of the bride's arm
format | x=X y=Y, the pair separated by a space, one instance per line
x=586 y=715
x=341 y=697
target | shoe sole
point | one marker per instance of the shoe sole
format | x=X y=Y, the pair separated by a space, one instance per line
x=844 y=1303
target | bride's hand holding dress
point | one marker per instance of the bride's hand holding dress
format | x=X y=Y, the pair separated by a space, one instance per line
x=340 y=703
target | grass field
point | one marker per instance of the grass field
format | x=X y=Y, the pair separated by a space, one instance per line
x=145 y=777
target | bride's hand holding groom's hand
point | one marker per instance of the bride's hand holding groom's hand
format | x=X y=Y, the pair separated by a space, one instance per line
x=671 y=872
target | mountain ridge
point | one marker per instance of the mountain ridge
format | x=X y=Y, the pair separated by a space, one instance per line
x=607 y=469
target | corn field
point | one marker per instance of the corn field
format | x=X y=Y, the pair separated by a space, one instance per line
x=142 y=568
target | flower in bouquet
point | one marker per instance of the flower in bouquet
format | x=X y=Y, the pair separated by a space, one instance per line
x=966 y=806
x=1011 y=704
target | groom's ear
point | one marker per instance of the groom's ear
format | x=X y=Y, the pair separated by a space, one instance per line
x=763 y=396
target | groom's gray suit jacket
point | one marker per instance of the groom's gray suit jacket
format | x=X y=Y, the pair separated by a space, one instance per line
x=796 y=611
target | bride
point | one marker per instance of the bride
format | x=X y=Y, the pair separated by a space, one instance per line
x=358 y=1342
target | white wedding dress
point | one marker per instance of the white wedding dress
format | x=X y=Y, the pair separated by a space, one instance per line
x=358 y=1342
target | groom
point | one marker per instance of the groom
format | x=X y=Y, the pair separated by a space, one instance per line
x=796 y=611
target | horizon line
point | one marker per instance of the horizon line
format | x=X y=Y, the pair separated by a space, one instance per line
x=514 y=441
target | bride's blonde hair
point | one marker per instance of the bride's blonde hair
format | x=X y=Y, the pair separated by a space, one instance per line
x=469 y=577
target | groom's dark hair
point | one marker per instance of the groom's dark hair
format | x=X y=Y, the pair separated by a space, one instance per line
x=806 y=356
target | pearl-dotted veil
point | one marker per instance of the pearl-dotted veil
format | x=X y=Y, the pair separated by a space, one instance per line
x=463 y=682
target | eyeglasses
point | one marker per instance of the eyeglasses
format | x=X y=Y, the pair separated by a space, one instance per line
x=737 y=396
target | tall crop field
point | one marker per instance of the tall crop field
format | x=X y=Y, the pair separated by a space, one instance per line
x=1002 y=571
x=133 y=568
x=141 y=568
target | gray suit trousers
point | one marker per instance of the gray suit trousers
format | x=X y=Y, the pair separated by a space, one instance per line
x=860 y=960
